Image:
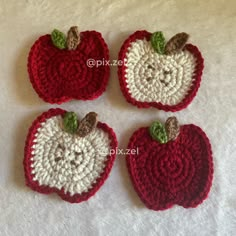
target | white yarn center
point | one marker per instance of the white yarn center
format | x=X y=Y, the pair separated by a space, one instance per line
x=62 y=160
x=152 y=77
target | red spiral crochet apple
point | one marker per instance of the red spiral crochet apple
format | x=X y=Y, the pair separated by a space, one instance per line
x=160 y=74
x=58 y=66
x=173 y=165
x=69 y=157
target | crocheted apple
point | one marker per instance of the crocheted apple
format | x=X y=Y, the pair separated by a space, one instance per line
x=159 y=74
x=173 y=165
x=58 y=70
x=69 y=157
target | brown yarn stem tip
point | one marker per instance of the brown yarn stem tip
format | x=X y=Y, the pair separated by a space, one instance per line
x=176 y=43
x=87 y=124
x=73 y=38
x=172 y=128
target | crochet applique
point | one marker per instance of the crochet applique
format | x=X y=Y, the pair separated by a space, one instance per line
x=175 y=170
x=69 y=157
x=160 y=74
x=58 y=66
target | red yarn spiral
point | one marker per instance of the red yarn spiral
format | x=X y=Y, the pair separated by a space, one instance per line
x=61 y=75
x=178 y=172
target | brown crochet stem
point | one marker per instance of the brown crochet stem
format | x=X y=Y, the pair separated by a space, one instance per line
x=73 y=38
x=176 y=43
x=87 y=124
x=172 y=128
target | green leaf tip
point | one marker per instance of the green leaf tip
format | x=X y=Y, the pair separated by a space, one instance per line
x=70 y=122
x=158 y=42
x=58 y=39
x=158 y=132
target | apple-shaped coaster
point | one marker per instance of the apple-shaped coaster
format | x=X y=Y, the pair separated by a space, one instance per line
x=58 y=66
x=173 y=165
x=69 y=157
x=159 y=74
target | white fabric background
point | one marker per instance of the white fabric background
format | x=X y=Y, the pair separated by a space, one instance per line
x=116 y=209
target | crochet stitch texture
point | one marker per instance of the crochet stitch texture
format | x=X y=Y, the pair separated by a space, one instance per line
x=149 y=79
x=177 y=172
x=59 y=75
x=72 y=166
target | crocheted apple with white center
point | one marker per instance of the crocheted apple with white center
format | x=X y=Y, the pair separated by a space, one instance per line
x=159 y=74
x=58 y=70
x=68 y=157
x=173 y=165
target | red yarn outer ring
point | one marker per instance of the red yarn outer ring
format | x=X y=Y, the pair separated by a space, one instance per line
x=62 y=75
x=34 y=185
x=158 y=183
x=140 y=35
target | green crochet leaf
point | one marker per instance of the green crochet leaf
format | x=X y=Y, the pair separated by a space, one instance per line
x=158 y=42
x=58 y=39
x=158 y=132
x=70 y=122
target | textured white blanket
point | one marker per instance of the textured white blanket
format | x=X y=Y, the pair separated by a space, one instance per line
x=116 y=209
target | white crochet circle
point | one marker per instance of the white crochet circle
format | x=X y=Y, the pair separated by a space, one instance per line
x=54 y=152
x=152 y=77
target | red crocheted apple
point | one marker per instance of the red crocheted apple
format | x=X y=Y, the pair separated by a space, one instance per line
x=58 y=69
x=69 y=157
x=173 y=165
x=159 y=74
